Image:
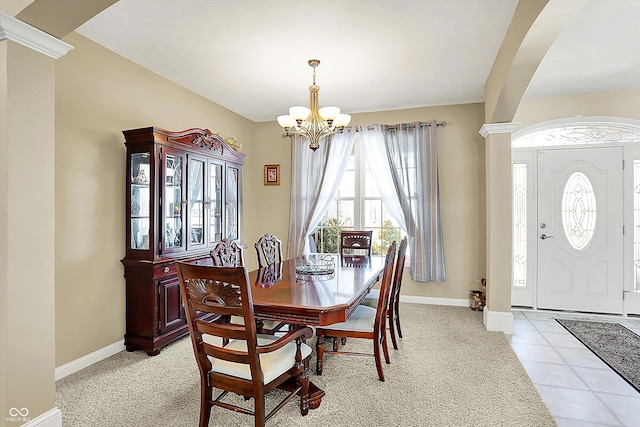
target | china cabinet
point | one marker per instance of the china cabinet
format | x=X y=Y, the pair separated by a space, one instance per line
x=184 y=193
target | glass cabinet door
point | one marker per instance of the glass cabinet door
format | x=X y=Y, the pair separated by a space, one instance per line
x=215 y=205
x=195 y=200
x=140 y=175
x=173 y=202
x=231 y=202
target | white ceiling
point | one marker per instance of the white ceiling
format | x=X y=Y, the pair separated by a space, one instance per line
x=250 y=56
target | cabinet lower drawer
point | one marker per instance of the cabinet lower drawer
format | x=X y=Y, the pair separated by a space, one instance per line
x=168 y=269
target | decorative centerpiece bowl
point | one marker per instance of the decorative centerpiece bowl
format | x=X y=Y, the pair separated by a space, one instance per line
x=315 y=264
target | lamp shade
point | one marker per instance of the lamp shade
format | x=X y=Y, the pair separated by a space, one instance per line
x=329 y=113
x=299 y=113
x=342 y=120
x=286 y=121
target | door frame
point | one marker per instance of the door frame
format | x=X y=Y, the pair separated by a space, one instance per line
x=524 y=151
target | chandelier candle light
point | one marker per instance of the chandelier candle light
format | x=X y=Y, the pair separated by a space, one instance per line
x=313 y=124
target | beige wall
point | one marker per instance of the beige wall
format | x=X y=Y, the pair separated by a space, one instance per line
x=27 y=203
x=461 y=169
x=99 y=94
x=613 y=104
x=461 y=174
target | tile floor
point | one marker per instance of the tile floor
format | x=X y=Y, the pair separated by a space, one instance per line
x=578 y=388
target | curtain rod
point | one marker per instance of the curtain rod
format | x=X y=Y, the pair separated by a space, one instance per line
x=441 y=123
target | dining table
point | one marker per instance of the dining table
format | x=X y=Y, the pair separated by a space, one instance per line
x=313 y=290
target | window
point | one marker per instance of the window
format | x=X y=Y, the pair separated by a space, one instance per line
x=519 y=224
x=578 y=210
x=357 y=206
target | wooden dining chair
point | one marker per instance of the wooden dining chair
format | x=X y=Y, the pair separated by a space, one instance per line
x=269 y=250
x=352 y=241
x=228 y=253
x=393 y=310
x=365 y=322
x=250 y=365
x=356 y=261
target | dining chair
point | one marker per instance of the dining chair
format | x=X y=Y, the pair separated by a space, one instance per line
x=365 y=322
x=269 y=250
x=250 y=364
x=228 y=253
x=355 y=261
x=393 y=310
x=351 y=241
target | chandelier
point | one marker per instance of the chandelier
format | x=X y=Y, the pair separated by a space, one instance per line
x=313 y=123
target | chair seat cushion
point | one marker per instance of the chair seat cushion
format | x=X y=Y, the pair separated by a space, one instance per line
x=371 y=299
x=273 y=364
x=362 y=320
x=267 y=324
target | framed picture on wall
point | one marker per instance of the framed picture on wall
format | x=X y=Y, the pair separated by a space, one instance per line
x=271 y=174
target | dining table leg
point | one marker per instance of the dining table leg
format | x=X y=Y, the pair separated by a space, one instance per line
x=319 y=352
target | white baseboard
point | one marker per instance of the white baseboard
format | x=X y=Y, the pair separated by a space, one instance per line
x=499 y=321
x=51 y=418
x=435 y=301
x=89 y=359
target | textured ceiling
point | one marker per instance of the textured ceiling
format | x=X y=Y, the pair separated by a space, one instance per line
x=250 y=56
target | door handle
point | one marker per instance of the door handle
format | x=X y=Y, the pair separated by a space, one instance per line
x=544 y=237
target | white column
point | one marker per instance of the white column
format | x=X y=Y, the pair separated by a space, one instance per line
x=27 y=224
x=497 y=311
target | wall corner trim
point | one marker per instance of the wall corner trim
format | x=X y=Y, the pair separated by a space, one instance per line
x=492 y=128
x=498 y=321
x=15 y=30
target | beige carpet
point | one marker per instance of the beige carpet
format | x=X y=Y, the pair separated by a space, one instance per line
x=448 y=371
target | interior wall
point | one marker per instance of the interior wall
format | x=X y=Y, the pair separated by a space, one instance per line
x=461 y=172
x=99 y=94
x=26 y=231
x=614 y=104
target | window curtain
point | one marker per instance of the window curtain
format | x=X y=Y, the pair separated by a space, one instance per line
x=315 y=177
x=405 y=158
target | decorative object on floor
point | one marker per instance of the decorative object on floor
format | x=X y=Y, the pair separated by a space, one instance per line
x=477 y=300
x=271 y=174
x=616 y=345
x=466 y=376
x=313 y=123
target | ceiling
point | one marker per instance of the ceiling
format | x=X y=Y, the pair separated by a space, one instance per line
x=250 y=56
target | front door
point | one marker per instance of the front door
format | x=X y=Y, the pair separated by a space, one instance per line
x=580 y=230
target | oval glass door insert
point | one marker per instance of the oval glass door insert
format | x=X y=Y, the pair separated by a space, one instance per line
x=578 y=210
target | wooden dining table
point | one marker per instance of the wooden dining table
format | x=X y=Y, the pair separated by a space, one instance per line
x=305 y=293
